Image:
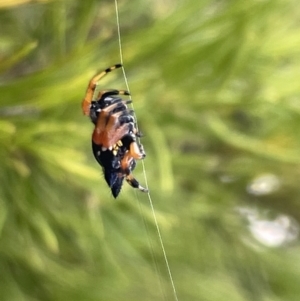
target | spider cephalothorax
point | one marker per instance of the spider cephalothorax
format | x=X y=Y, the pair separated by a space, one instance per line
x=114 y=140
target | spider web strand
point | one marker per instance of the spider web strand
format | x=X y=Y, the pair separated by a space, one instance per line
x=143 y=164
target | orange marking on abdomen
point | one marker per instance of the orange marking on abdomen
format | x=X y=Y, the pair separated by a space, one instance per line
x=109 y=138
x=101 y=138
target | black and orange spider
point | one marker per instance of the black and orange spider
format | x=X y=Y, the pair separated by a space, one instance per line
x=114 y=140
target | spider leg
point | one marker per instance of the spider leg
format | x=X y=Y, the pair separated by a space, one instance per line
x=105 y=93
x=134 y=183
x=135 y=152
x=92 y=86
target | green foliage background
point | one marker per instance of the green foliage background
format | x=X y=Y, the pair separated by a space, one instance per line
x=215 y=86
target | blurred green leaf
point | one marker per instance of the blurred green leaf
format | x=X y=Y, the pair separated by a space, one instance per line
x=216 y=94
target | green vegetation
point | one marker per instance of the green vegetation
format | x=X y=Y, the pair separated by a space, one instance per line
x=215 y=86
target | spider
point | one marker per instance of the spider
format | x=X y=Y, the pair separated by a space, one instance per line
x=114 y=139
